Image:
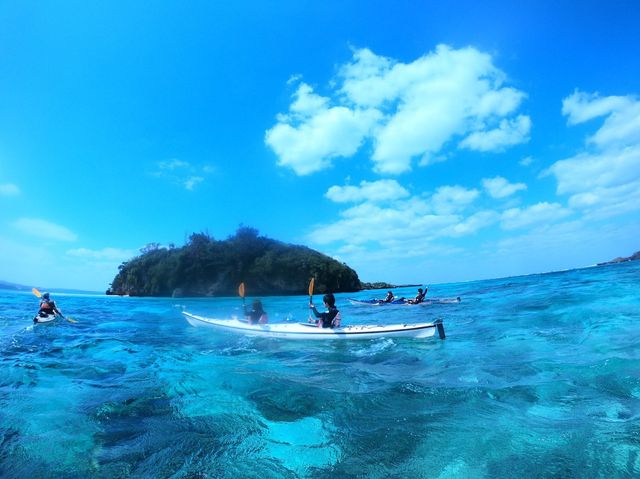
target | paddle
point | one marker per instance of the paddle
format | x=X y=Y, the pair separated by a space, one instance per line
x=241 y=292
x=39 y=295
x=244 y=308
x=311 y=294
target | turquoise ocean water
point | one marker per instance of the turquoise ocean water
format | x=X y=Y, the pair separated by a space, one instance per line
x=539 y=377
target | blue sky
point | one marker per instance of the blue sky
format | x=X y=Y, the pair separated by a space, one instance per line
x=416 y=141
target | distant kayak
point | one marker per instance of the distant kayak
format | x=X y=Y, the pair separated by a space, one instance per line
x=47 y=318
x=402 y=302
x=310 y=331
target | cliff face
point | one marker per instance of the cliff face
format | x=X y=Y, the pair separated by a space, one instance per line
x=206 y=267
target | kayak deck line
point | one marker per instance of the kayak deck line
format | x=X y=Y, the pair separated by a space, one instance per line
x=310 y=331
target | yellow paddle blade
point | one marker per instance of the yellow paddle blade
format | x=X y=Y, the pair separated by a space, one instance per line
x=311 y=286
x=241 y=290
x=36 y=292
x=70 y=319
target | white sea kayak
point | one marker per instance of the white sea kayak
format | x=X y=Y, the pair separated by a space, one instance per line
x=310 y=331
x=44 y=319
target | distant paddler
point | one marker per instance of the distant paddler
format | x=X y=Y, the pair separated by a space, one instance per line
x=420 y=296
x=255 y=315
x=48 y=309
x=389 y=298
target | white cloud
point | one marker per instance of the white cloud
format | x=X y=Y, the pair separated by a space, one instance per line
x=450 y=199
x=191 y=182
x=509 y=132
x=603 y=180
x=539 y=213
x=313 y=133
x=44 y=229
x=107 y=254
x=407 y=110
x=622 y=124
x=9 y=189
x=585 y=172
x=526 y=161
x=499 y=187
x=182 y=172
x=473 y=223
x=173 y=164
x=368 y=222
x=381 y=190
x=405 y=222
x=603 y=202
x=581 y=106
x=307 y=103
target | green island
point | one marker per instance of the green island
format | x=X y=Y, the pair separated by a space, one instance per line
x=205 y=266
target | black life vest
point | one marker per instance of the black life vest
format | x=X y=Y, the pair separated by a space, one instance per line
x=328 y=317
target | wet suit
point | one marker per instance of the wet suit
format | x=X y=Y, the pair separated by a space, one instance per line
x=389 y=298
x=256 y=316
x=328 y=319
x=419 y=298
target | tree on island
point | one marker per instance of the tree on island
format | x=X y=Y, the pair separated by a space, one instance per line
x=205 y=266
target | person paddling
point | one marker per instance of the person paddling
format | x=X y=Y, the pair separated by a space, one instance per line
x=389 y=298
x=47 y=307
x=419 y=297
x=257 y=314
x=331 y=317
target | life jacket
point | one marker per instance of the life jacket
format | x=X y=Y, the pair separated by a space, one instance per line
x=330 y=318
x=46 y=305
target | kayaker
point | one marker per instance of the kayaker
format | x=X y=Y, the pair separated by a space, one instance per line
x=257 y=314
x=331 y=317
x=47 y=307
x=419 y=297
x=389 y=298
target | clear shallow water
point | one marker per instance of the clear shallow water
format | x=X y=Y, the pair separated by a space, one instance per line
x=539 y=377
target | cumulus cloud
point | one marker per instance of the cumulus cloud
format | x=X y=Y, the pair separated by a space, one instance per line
x=313 y=133
x=9 y=189
x=581 y=106
x=405 y=110
x=473 y=223
x=44 y=229
x=369 y=222
x=381 y=190
x=604 y=179
x=406 y=221
x=499 y=187
x=508 y=133
x=542 y=212
x=450 y=199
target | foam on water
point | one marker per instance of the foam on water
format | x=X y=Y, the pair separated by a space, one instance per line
x=539 y=377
